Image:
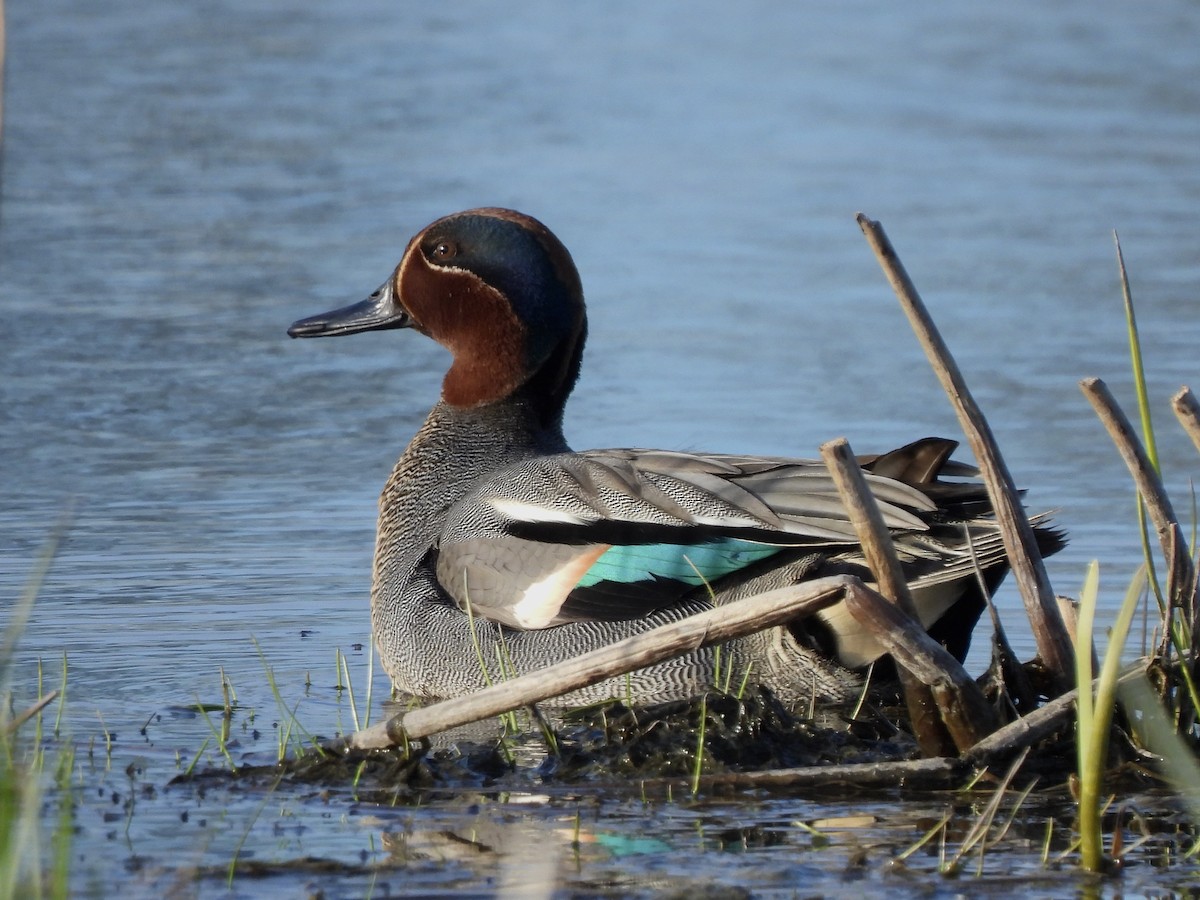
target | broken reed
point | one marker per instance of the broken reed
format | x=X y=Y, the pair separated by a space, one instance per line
x=1049 y=631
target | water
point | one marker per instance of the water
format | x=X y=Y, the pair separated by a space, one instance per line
x=181 y=181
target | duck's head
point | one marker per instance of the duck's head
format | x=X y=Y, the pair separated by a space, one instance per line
x=499 y=291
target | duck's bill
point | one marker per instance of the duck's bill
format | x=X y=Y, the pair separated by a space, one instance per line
x=378 y=312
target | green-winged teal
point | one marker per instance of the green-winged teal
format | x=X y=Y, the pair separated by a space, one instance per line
x=557 y=552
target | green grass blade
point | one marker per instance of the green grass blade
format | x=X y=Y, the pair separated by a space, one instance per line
x=699 y=766
x=20 y=611
x=1083 y=646
x=1135 y=358
x=475 y=643
x=287 y=716
x=1095 y=720
x=218 y=734
x=1143 y=402
x=187 y=773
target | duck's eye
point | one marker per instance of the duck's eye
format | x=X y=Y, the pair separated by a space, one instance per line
x=444 y=250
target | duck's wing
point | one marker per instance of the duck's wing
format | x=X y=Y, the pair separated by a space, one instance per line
x=615 y=534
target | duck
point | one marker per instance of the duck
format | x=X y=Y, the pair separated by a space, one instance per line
x=501 y=550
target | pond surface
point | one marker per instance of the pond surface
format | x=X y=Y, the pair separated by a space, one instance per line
x=181 y=181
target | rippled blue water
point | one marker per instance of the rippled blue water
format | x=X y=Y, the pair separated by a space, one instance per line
x=181 y=181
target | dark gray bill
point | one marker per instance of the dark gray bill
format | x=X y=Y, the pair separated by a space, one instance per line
x=378 y=312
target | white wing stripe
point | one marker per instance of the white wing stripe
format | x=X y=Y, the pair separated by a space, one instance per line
x=520 y=511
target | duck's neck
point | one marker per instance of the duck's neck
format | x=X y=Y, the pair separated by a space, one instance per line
x=451 y=452
x=545 y=393
x=485 y=438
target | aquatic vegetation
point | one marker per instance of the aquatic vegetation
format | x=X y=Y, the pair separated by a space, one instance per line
x=981 y=835
x=28 y=866
x=1096 y=708
x=1177 y=607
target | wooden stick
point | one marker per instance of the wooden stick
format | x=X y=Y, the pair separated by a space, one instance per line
x=1187 y=411
x=1027 y=730
x=701 y=630
x=1039 y=724
x=873 y=533
x=940 y=771
x=1053 y=645
x=32 y=711
x=1150 y=487
x=964 y=709
x=999 y=745
x=880 y=552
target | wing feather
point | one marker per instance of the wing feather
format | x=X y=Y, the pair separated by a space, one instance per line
x=529 y=547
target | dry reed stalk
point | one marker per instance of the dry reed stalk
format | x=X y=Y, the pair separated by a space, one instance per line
x=701 y=630
x=964 y=710
x=1181 y=587
x=1054 y=646
x=1070 y=616
x=1056 y=715
x=927 y=773
x=23 y=717
x=1187 y=411
x=880 y=552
